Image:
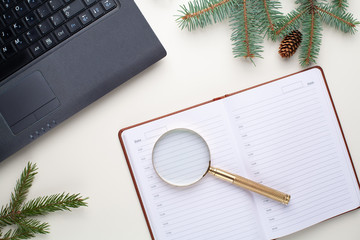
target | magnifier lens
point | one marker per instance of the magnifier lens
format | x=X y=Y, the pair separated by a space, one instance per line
x=181 y=157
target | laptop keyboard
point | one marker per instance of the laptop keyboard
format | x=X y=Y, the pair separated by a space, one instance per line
x=29 y=28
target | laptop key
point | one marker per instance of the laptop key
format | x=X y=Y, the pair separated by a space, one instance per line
x=31 y=19
x=32 y=35
x=37 y=49
x=21 y=9
x=6 y=34
x=73 y=8
x=49 y=41
x=89 y=2
x=85 y=17
x=8 y=50
x=8 y=17
x=57 y=19
x=19 y=26
x=108 y=4
x=56 y=4
x=73 y=25
x=33 y=3
x=44 y=11
x=20 y=43
x=45 y=27
x=61 y=33
x=7 y=3
x=96 y=11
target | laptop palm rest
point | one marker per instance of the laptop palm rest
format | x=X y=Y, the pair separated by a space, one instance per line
x=24 y=104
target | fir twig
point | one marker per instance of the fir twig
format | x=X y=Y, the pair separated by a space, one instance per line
x=26 y=229
x=33 y=226
x=201 y=13
x=18 y=213
x=10 y=213
x=56 y=202
x=22 y=187
x=289 y=23
x=5 y=216
x=266 y=8
x=246 y=36
x=268 y=14
x=338 y=19
x=340 y=4
x=17 y=234
x=312 y=39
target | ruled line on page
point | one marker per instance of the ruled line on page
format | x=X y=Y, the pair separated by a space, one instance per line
x=269 y=100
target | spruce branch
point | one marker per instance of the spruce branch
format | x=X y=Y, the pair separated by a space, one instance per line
x=340 y=4
x=201 y=13
x=289 y=23
x=268 y=14
x=17 y=235
x=33 y=226
x=311 y=45
x=22 y=187
x=337 y=18
x=52 y=203
x=246 y=37
x=26 y=229
x=18 y=213
x=5 y=218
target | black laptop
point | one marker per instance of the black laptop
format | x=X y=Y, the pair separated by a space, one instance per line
x=58 y=56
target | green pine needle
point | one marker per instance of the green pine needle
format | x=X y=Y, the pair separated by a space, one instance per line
x=18 y=213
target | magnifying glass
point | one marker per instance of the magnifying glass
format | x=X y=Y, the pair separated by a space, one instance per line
x=181 y=157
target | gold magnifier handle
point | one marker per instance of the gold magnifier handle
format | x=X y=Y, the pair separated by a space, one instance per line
x=251 y=185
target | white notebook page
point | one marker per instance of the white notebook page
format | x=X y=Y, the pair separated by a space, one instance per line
x=209 y=209
x=291 y=141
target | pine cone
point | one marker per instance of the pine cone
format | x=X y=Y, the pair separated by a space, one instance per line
x=290 y=43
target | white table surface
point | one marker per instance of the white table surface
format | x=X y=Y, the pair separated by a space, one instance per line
x=83 y=154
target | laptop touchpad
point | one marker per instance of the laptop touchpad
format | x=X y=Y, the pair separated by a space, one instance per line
x=27 y=102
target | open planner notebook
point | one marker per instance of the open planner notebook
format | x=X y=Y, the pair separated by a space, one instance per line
x=284 y=134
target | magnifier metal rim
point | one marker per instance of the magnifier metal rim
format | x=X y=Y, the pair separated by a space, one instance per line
x=187 y=130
